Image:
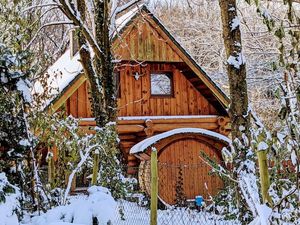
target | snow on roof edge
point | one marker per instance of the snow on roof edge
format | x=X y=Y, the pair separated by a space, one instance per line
x=143 y=145
x=66 y=68
x=61 y=74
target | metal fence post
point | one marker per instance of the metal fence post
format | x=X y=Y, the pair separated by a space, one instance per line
x=154 y=187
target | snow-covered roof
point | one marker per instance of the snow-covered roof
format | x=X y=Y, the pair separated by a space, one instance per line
x=59 y=75
x=123 y=20
x=67 y=68
x=148 y=142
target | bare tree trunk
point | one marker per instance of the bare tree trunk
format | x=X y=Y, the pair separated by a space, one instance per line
x=97 y=93
x=236 y=70
x=105 y=66
x=239 y=111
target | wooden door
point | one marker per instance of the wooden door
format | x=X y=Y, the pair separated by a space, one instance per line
x=179 y=162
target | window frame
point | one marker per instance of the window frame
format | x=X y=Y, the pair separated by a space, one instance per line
x=170 y=74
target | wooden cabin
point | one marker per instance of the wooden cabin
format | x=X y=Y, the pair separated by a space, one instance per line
x=161 y=88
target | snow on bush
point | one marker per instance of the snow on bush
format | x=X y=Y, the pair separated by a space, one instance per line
x=9 y=203
x=82 y=209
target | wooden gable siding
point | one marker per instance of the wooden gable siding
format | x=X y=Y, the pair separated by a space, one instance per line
x=142 y=42
x=136 y=100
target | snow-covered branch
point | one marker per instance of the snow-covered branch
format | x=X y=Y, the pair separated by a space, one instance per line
x=74 y=15
x=67 y=22
x=84 y=156
x=116 y=9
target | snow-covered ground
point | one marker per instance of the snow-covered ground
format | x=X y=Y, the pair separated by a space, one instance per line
x=132 y=214
x=81 y=210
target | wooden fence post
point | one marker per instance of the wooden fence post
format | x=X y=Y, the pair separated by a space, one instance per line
x=154 y=187
x=95 y=167
x=264 y=176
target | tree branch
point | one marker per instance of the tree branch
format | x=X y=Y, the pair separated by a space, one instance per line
x=47 y=25
x=75 y=17
x=40 y=6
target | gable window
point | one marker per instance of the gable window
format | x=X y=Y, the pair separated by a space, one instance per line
x=161 y=84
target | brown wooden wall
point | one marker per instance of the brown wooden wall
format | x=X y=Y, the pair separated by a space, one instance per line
x=136 y=100
x=142 y=42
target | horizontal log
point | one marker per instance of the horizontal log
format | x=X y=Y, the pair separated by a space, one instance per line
x=129 y=128
x=131 y=158
x=143 y=156
x=161 y=125
x=125 y=144
x=167 y=127
x=127 y=137
x=160 y=119
x=208 y=119
x=91 y=123
x=122 y=129
x=132 y=171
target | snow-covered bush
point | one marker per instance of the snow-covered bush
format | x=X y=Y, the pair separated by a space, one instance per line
x=98 y=205
x=9 y=202
x=73 y=151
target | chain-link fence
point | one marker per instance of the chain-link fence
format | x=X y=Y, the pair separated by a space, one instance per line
x=131 y=213
x=179 y=187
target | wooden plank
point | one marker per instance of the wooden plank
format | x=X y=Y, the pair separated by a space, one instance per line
x=130 y=128
x=145 y=91
x=127 y=144
x=88 y=102
x=74 y=104
x=121 y=105
x=82 y=103
x=137 y=93
x=130 y=90
x=184 y=95
x=133 y=43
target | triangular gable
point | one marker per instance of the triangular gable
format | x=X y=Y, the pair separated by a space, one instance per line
x=179 y=54
x=140 y=41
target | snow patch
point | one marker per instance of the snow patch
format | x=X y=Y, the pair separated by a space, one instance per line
x=235 y=23
x=24 y=87
x=99 y=203
x=165 y=117
x=294 y=158
x=10 y=204
x=262 y=146
x=24 y=142
x=236 y=61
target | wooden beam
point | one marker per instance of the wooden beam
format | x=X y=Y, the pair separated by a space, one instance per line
x=162 y=125
x=67 y=94
x=167 y=127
